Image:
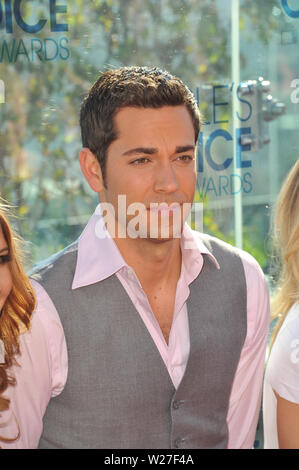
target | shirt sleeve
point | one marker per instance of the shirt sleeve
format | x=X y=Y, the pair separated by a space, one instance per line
x=245 y=399
x=40 y=374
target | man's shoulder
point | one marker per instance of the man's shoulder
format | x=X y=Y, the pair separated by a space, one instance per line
x=42 y=268
x=211 y=242
x=216 y=245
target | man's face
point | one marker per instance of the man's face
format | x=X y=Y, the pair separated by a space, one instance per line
x=152 y=161
x=5 y=275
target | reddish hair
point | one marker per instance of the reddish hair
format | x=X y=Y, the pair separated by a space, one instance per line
x=16 y=312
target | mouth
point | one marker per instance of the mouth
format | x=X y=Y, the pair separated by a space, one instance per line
x=163 y=207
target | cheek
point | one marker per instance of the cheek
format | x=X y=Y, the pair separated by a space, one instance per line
x=187 y=180
x=132 y=186
x=5 y=283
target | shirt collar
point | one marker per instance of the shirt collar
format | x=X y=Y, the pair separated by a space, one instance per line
x=99 y=257
x=192 y=244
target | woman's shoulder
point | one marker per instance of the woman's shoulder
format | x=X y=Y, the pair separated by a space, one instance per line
x=283 y=364
x=287 y=335
x=290 y=326
x=45 y=342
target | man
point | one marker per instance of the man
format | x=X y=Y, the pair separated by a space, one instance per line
x=165 y=334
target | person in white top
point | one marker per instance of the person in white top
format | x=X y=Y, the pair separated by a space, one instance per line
x=281 y=384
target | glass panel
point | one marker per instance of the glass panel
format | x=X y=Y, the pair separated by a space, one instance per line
x=50 y=53
x=234 y=54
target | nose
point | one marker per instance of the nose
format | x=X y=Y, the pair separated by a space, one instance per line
x=165 y=179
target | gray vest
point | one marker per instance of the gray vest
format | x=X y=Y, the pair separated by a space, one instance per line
x=119 y=394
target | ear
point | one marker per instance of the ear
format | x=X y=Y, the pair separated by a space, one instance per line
x=91 y=170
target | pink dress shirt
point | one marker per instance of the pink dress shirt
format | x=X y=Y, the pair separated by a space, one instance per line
x=43 y=363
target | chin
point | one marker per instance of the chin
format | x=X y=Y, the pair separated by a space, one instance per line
x=161 y=239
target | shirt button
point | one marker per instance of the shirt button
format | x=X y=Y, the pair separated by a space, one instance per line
x=130 y=274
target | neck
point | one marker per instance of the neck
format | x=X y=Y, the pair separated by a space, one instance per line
x=154 y=262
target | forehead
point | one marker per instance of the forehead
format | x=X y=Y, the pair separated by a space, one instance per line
x=168 y=122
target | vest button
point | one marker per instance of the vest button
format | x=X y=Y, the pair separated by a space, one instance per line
x=177 y=442
x=176 y=404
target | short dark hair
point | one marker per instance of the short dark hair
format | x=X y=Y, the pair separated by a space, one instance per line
x=142 y=87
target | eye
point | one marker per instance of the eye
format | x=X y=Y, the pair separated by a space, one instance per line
x=5 y=259
x=139 y=161
x=185 y=158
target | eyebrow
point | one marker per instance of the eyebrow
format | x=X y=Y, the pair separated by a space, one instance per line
x=153 y=150
x=184 y=148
